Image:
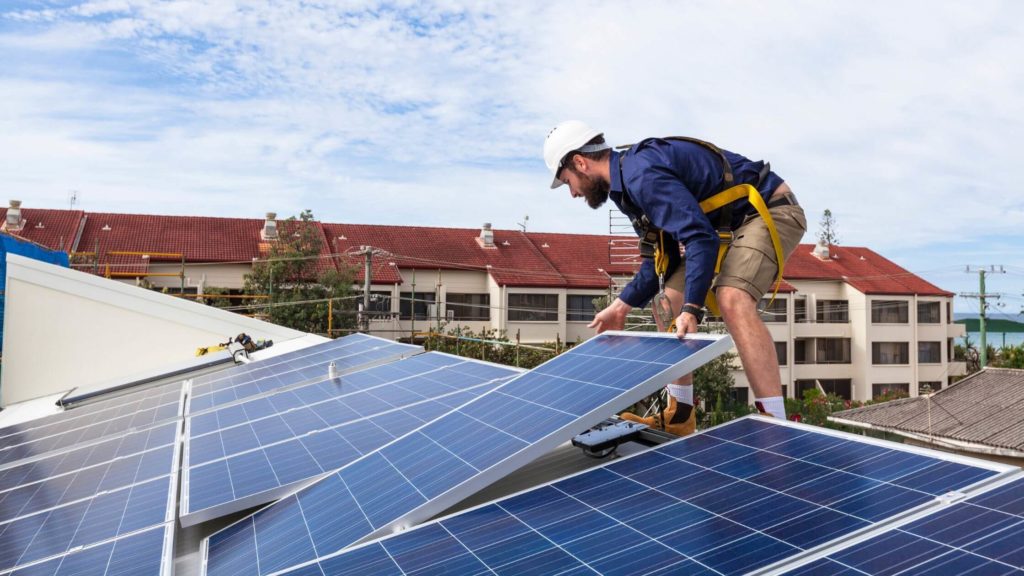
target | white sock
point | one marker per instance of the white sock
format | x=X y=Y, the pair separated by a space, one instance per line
x=682 y=394
x=773 y=406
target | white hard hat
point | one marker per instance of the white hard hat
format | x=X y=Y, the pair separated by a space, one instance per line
x=569 y=136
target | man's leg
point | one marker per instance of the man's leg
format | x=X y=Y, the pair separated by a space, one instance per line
x=755 y=345
x=679 y=417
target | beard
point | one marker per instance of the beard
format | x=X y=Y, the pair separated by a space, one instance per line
x=594 y=190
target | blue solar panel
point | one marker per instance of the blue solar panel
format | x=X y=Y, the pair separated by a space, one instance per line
x=252 y=453
x=141 y=553
x=981 y=535
x=295 y=368
x=695 y=506
x=160 y=397
x=424 y=472
x=75 y=459
x=93 y=427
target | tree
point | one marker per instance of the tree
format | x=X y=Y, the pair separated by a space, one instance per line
x=300 y=282
x=827 y=235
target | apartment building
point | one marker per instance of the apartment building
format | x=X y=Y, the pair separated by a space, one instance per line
x=845 y=319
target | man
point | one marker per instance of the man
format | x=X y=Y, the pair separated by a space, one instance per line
x=660 y=184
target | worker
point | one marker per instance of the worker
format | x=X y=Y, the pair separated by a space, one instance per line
x=673 y=191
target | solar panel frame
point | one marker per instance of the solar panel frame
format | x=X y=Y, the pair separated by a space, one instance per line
x=189 y=517
x=930 y=549
x=712 y=346
x=363 y=556
x=89 y=557
x=171 y=480
x=299 y=371
x=94 y=432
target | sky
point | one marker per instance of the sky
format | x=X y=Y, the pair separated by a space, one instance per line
x=899 y=116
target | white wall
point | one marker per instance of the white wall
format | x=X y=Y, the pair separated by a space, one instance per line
x=64 y=328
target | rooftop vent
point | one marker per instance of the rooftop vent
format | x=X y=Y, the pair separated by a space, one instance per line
x=820 y=251
x=269 y=231
x=14 y=222
x=486 y=238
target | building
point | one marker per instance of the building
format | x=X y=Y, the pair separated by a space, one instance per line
x=845 y=319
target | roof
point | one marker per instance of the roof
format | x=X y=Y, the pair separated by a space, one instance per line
x=521 y=259
x=862 y=268
x=986 y=408
x=55 y=229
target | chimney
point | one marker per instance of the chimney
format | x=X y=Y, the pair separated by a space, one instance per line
x=821 y=251
x=269 y=231
x=486 y=238
x=14 y=222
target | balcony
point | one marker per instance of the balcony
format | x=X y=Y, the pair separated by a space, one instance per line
x=822 y=330
x=955 y=330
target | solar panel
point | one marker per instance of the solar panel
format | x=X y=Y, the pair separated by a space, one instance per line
x=983 y=534
x=97 y=412
x=430 y=469
x=734 y=499
x=257 y=451
x=146 y=552
x=91 y=426
x=295 y=368
x=94 y=505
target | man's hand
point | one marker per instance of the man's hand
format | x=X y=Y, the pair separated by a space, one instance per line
x=686 y=323
x=611 y=318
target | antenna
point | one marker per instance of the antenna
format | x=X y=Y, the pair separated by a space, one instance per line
x=522 y=224
x=72 y=199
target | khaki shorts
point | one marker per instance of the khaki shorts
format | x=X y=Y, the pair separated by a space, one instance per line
x=750 y=262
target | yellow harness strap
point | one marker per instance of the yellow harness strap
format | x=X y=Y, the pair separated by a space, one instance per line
x=713 y=203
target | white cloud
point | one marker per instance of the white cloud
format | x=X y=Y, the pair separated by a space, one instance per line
x=900 y=117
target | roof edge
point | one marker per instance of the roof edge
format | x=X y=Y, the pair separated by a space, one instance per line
x=942 y=441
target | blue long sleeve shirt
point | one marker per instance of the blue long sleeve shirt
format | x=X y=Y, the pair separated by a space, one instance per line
x=667 y=180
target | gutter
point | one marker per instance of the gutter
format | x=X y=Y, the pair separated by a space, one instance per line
x=943 y=442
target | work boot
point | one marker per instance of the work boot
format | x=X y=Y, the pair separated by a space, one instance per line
x=671 y=420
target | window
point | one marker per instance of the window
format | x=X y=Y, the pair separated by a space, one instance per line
x=803 y=351
x=740 y=396
x=933 y=386
x=929 y=352
x=785 y=391
x=833 y=350
x=774 y=312
x=841 y=387
x=380 y=304
x=833 y=311
x=469 y=306
x=533 y=307
x=780 y=352
x=800 y=310
x=889 y=311
x=890 y=353
x=928 y=313
x=897 y=390
x=580 y=307
x=421 y=306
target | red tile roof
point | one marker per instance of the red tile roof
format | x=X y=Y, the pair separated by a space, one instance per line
x=55 y=229
x=532 y=259
x=861 y=268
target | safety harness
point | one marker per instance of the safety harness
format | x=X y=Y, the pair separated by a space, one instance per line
x=652 y=239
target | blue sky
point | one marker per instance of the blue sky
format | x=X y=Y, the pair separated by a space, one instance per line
x=899 y=116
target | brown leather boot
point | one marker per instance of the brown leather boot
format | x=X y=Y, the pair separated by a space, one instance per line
x=665 y=420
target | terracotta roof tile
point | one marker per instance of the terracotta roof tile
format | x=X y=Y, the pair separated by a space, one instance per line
x=862 y=268
x=55 y=229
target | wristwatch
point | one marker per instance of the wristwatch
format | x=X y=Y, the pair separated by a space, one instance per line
x=697 y=312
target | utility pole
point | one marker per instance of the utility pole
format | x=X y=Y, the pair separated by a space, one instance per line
x=367 y=252
x=981 y=295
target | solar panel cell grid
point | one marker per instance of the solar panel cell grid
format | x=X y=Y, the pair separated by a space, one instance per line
x=418 y=474
x=981 y=535
x=250 y=462
x=293 y=369
x=680 y=504
x=140 y=554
